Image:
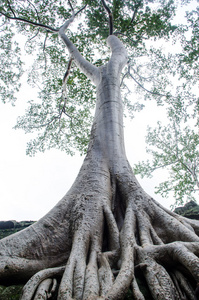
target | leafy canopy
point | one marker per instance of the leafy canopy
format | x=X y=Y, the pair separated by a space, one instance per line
x=31 y=28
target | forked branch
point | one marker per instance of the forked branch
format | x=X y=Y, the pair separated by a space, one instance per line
x=85 y=66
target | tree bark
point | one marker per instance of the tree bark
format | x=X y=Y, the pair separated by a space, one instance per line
x=106 y=232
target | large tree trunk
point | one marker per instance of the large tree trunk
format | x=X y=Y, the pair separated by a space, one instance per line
x=106 y=231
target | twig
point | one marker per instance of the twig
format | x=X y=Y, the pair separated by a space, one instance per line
x=35 y=10
x=64 y=96
x=153 y=93
x=44 y=50
x=30 y=22
x=71 y=6
x=11 y=8
x=134 y=42
x=31 y=38
x=38 y=24
x=135 y=12
x=163 y=166
x=45 y=124
x=80 y=10
x=124 y=77
x=110 y=17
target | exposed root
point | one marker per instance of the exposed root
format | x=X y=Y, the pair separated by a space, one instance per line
x=158 y=280
x=185 y=290
x=126 y=273
x=72 y=282
x=136 y=290
x=39 y=284
x=105 y=274
x=158 y=246
x=44 y=290
x=91 y=287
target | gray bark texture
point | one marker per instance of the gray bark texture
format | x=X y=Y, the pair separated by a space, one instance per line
x=106 y=232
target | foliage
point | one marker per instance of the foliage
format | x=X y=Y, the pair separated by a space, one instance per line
x=67 y=125
x=175 y=148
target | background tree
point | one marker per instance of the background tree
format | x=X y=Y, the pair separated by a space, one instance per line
x=175 y=146
x=106 y=233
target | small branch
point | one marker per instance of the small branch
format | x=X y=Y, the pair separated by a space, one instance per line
x=135 y=43
x=176 y=138
x=110 y=17
x=123 y=78
x=80 y=10
x=135 y=12
x=34 y=36
x=153 y=93
x=30 y=22
x=133 y=17
x=11 y=8
x=144 y=78
x=45 y=124
x=64 y=95
x=163 y=166
x=38 y=24
x=35 y=10
x=71 y=6
x=44 y=50
x=68 y=70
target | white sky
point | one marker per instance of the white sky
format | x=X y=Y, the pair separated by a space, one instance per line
x=31 y=186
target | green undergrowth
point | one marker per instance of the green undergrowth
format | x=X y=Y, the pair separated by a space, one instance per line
x=11 y=292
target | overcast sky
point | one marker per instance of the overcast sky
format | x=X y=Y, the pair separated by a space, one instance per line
x=31 y=186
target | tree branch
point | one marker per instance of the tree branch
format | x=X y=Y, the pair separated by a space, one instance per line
x=135 y=12
x=135 y=43
x=44 y=48
x=30 y=22
x=153 y=93
x=11 y=8
x=64 y=95
x=110 y=17
x=86 y=67
x=163 y=166
x=35 y=10
x=38 y=24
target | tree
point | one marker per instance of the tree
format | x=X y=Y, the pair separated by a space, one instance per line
x=106 y=233
x=174 y=147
